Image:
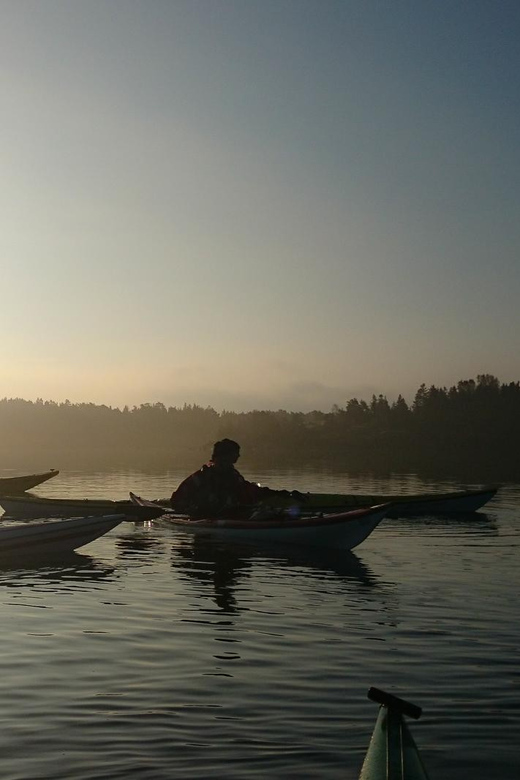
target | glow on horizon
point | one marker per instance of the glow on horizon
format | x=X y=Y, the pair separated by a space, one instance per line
x=257 y=205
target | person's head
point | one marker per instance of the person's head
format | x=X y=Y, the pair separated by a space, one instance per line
x=226 y=452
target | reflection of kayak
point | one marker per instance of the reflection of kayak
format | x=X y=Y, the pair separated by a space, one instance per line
x=392 y=753
x=54 y=535
x=33 y=506
x=11 y=486
x=341 y=530
x=197 y=549
x=403 y=505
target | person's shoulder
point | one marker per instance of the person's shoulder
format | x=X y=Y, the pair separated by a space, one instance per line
x=196 y=474
x=205 y=471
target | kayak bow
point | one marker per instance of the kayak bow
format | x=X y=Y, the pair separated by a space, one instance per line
x=392 y=753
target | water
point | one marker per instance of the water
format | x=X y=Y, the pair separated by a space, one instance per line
x=153 y=654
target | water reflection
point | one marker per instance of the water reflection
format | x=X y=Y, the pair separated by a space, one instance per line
x=69 y=567
x=221 y=565
x=343 y=563
x=480 y=523
x=139 y=544
x=226 y=566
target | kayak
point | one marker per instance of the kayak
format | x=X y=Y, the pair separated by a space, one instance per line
x=464 y=501
x=11 y=486
x=340 y=530
x=29 y=506
x=398 y=505
x=392 y=753
x=53 y=536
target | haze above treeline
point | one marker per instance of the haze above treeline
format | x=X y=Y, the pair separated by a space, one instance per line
x=471 y=427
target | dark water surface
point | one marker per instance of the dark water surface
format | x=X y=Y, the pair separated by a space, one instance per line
x=151 y=654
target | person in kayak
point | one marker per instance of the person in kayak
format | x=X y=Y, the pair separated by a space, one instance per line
x=218 y=488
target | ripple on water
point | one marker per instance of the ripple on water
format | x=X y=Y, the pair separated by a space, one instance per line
x=152 y=654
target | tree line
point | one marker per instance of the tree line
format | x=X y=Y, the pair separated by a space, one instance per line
x=474 y=425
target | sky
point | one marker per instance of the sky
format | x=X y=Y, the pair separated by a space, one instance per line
x=257 y=204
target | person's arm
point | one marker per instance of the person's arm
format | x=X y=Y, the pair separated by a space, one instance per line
x=256 y=492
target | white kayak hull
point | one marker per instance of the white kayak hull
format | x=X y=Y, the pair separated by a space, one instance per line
x=55 y=535
x=342 y=531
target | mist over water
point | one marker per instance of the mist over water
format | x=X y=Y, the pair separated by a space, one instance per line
x=469 y=431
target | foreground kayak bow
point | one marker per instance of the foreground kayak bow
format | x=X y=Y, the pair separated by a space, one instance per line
x=392 y=753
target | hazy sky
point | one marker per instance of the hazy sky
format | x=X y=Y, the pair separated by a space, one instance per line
x=256 y=203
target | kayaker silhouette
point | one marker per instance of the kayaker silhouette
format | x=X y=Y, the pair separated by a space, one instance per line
x=218 y=488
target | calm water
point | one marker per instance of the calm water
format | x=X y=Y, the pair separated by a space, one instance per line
x=151 y=654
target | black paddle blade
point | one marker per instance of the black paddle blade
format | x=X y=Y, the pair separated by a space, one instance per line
x=395 y=703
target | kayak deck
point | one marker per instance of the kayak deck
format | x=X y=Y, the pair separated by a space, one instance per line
x=407 y=505
x=30 y=506
x=16 y=485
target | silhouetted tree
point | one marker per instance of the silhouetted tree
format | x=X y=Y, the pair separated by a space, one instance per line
x=472 y=422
